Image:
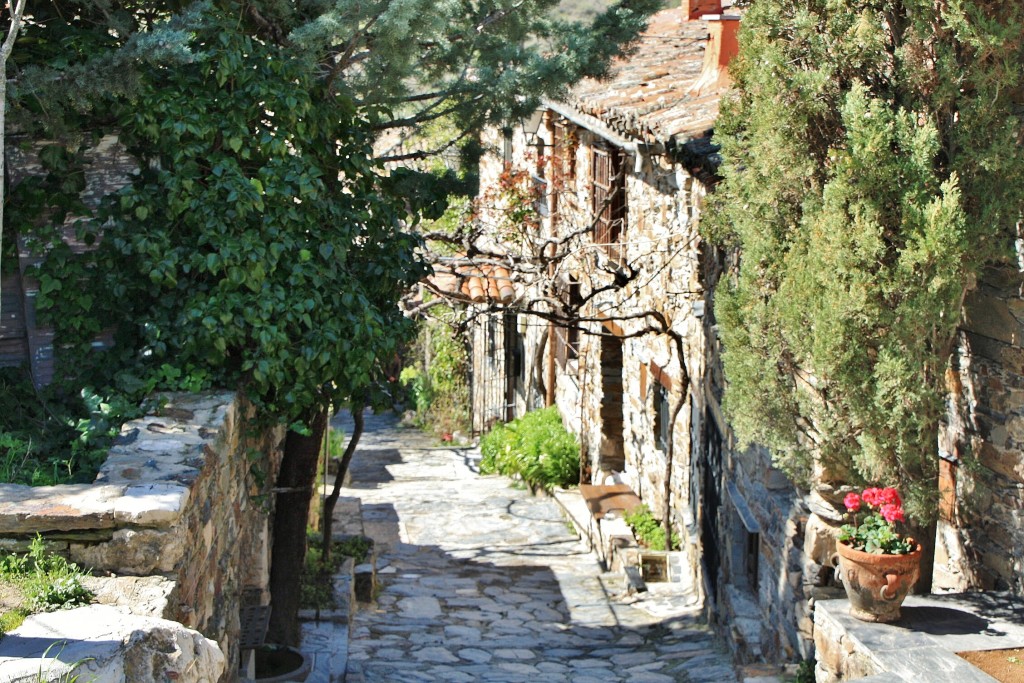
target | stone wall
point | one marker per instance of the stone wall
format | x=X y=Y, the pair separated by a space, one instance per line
x=980 y=541
x=176 y=501
x=764 y=605
x=107 y=167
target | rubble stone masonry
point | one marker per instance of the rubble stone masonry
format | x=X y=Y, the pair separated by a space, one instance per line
x=980 y=543
x=176 y=502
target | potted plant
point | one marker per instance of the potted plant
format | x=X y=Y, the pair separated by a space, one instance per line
x=878 y=565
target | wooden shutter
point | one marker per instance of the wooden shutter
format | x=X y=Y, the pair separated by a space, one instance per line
x=608 y=199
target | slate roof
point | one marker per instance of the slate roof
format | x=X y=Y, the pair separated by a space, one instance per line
x=646 y=96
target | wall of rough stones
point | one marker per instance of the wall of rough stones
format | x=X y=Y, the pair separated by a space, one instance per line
x=176 y=502
x=980 y=540
x=107 y=167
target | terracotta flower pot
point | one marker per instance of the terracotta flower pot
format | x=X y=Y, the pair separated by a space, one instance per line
x=877 y=584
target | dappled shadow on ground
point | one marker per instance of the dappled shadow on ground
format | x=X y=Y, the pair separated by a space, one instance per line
x=479 y=581
x=513 y=614
x=370 y=470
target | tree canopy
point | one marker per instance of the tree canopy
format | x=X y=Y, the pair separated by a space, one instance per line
x=408 y=62
x=256 y=243
x=262 y=245
x=872 y=166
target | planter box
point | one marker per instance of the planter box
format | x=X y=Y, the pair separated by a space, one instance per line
x=661 y=566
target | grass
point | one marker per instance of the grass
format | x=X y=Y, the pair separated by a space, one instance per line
x=38 y=581
x=11 y=620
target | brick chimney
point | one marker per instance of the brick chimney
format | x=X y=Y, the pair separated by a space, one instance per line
x=722 y=46
x=695 y=9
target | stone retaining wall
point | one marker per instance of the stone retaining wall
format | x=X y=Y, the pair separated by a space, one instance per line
x=177 y=501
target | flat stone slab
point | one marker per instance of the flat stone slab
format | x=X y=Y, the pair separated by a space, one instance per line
x=105 y=645
x=931 y=630
x=28 y=509
x=145 y=480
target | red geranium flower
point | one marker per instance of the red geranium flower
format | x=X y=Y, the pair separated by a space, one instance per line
x=890 y=497
x=892 y=513
x=874 y=530
x=873 y=497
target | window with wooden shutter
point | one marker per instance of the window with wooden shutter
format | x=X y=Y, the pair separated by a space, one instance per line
x=567 y=337
x=608 y=199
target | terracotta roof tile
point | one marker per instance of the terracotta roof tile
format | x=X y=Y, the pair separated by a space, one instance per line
x=479 y=284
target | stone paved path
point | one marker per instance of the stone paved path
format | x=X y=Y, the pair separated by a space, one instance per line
x=480 y=581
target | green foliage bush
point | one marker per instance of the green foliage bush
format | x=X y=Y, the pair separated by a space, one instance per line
x=536 y=447
x=47 y=437
x=439 y=390
x=647 y=529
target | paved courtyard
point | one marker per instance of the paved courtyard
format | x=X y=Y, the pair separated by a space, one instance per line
x=480 y=581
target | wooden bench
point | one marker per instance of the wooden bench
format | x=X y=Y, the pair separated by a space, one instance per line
x=609 y=498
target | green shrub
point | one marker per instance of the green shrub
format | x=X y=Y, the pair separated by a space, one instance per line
x=47 y=437
x=417 y=385
x=647 y=529
x=439 y=389
x=536 y=448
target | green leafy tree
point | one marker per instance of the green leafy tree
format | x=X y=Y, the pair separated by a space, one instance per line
x=256 y=248
x=411 y=62
x=872 y=166
x=259 y=246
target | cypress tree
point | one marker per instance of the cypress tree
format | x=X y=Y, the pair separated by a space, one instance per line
x=872 y=164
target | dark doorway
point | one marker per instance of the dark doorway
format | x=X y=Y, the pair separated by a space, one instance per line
x=711 y=501
x=612 y=455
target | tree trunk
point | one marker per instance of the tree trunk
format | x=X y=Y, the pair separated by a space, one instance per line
x=670 y=451
x=339 y=480
x=925 y=535
x=291 y=515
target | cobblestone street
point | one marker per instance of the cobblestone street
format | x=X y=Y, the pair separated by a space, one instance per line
x=480 y=581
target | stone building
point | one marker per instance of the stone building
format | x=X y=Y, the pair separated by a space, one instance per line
x=593 y=209
x=596 y=294
x=24 y=341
